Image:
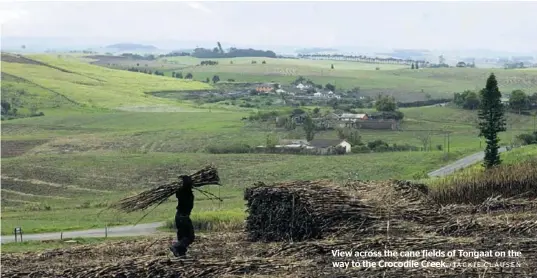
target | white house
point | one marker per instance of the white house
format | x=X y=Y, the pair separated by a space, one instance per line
x=325 y=144
x=300 y=86
x=280 y=91
x=348 y=117
x=318 y=94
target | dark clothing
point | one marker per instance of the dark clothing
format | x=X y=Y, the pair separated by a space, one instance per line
x=185 y=197
x=185 y=229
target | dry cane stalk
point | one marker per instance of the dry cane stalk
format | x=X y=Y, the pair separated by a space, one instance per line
x=158 y=195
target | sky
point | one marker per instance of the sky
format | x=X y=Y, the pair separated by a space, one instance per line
x=507 y=26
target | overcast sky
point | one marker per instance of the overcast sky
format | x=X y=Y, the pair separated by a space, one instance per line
x=510 y=26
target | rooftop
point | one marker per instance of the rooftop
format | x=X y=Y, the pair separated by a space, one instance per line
x=325 y=143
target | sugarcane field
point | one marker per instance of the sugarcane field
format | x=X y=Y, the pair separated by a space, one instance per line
x=276 y=139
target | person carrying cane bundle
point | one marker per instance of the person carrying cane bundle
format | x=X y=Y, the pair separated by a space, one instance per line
x=183 y=223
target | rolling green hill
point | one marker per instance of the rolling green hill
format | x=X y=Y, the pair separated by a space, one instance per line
x=55 y=81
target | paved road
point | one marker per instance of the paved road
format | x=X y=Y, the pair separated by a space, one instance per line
x=151 y=228
x=118 y=231
x=461 y=163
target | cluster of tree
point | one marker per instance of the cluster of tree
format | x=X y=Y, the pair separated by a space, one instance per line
x=138 y=56
x=209 y=63
x=146 y=71
x=175 y=54
x=465 y=65
x=441 y=65
x=518 y=100
x=233 y=53
x=385 y=103
x=420 y=103
x=416 y=66
x=467 y=100
x=360 y=58
x=177 y=74
x=9 y=110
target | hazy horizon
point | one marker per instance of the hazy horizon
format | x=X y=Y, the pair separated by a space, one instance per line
x=499 y=26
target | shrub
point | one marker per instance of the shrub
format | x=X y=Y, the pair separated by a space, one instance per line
x=527 y=139
x=360 y=149
x=377 y=143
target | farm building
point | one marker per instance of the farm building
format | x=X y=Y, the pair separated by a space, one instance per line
x=265 y=88
x=377 y=124
x=348 y=117
x=325 y=145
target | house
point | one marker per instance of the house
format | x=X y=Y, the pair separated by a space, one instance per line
x=299 y=119
x=280 y=91
x=318 y=94
x=264 y=88
x=348 y=117
x=293 y=143
x=325 y=145
x=300 y=86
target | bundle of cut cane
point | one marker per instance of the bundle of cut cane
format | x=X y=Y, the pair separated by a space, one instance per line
x=158 y=195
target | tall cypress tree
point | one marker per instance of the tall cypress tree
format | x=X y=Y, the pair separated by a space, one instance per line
x=491 y=121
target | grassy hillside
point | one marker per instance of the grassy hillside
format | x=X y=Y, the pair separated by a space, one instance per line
x=81 y=84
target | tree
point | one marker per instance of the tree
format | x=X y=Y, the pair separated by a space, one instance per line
x=207 y=80
x=533 y=99
x=6 y=107
x=179 y=75
x=491 y=121
x=309 y=128
x=428 y=96
x=173 y=73
x=264 y=62
x=216 y=78
x=189 y=76
x=350 y=135
x=316 y=110
x=471 y=101
x=330 y=87
x=220 y=47
x=417 y=65
x=412 y=66
x=385 y=104
x=519 y=100
x=425 y=139
x=332 y=66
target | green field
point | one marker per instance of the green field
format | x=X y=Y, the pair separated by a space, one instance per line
x=60 y=170
x=399 y=80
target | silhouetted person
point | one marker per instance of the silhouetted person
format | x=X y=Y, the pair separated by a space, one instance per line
x=185 y=230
